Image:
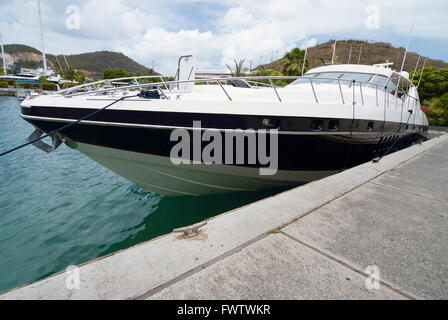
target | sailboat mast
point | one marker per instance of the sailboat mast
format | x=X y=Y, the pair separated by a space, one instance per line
x=44 y=57
x=350 y=54
x=415 y=70
x=407 y=49
x=3 y=55
x=360 y=52
x=421 y=74
x=66 y=62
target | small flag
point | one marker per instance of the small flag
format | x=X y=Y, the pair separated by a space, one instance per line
x=333 y=47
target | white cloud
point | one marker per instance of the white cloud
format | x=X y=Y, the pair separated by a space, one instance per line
x=309 y=43
x=165 y=47
x=216 y=32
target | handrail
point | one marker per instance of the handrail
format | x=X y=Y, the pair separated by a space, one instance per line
x=220 y=84
x=110 y=80
x=340 y=89
x=145 y=85
x=259 y=83
x=362 y=95
x=314 y=91
x=220 y=80
x=276 y=92
x=376 y=94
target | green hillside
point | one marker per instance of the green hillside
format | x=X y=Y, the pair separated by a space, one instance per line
x=372 y=53
x=92 y=63
x=14 y=49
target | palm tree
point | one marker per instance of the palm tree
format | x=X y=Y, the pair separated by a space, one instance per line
x=42 y=80
x=292 y=66
x=70 y=74
x=80 y=77
x=263 y=72
x=239 y=70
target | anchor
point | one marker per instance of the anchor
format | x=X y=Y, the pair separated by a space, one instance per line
x=55 y=139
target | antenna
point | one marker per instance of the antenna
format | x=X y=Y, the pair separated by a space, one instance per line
x=360 y=52
x=68 y=67
x=350 y=54
x=421 y=74
x=415 y=70
x=304 y=59
x=3 y=55
x=57 y=60
x=407 y=48
x=44 y=58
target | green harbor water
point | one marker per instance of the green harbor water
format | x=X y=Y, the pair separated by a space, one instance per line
x=63 y=209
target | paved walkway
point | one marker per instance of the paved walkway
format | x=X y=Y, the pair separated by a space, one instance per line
x=319 y=241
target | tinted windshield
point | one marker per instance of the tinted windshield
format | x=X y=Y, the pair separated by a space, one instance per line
x=303 y=80
x=328 y=76
x=345 y=78
x=380 y=80
x=362 y=77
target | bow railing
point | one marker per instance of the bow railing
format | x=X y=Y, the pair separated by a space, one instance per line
x=166 y=88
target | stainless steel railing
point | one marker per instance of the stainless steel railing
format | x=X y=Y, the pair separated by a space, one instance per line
x=96 y=83
x=71 y=92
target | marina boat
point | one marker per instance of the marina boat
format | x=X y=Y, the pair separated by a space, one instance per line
x=22 y=94
x=332 y=118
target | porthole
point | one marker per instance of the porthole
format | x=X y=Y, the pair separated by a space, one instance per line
x=333 y=125
x=269 y=123
x=370 y=126
x=317 y=125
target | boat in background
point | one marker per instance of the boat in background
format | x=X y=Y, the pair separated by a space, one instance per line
x=23 y=94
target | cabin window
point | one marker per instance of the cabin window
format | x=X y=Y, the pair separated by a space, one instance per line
x=359 y=77
x=404 y=88
x=379 y=81
x=404 y=84
x=391 y=87
x=329 y=76
x=304 y=80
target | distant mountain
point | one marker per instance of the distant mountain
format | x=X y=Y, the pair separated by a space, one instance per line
x=372 y=53
x=93 y=64
x=13 y=49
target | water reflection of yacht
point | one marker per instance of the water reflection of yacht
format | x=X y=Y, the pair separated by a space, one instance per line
x=333 y=118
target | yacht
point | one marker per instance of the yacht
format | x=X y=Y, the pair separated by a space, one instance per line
x=332 y=118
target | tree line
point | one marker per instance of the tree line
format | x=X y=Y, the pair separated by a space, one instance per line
x=433 y=93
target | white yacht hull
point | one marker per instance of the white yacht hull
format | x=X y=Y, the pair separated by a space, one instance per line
x=158 y=174
x=320 y=126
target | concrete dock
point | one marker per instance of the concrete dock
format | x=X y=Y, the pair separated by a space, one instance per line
x=377 y=231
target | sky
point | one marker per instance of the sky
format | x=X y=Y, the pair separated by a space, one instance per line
x=156 y=33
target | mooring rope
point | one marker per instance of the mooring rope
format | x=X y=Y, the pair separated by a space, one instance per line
x=65 y=127
x=396 y=140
